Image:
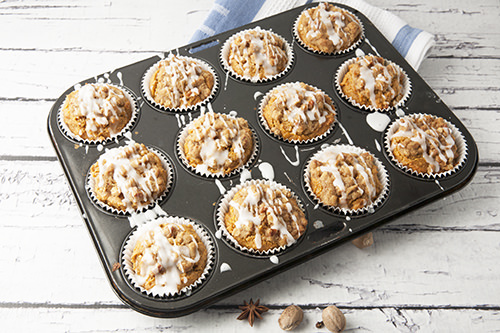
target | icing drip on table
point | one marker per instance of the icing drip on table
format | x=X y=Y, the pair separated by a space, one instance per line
x=297 y=156
x=428 y=140
x=131 y=171
x=270 y=201
x=333 y=162
x=163 y=260
x=267 y=171
x=100 y=105
x=378 y=121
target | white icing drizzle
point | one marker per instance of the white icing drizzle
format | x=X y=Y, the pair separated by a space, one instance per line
x=373 y=48
x=233 y=113
x=378 y=121
x=428 y=140
x=274 y=259
x=99 y=108
x=265 y=53
x=183 y=75
x=227 y=79
x=106 y=76
x=134 y=177
x=359 y=53
x=257 y=94
x=267 y=171
x=214 y=147
x=368 y=66
x=119 y=75
x=377 y=145
x=439 y=184
x=318 y=224
x=179 y=124
x=330 y=159
x=100 y=147
x=224 y=267
x=296 y=101
x=245 y=175
x=221 y=187
x=271 y=201
x=399 y=112
x=348 y=218
x=297 y=157
x=86 y=149
x=163 y=259
x=324 y=18
x=346 y=134
x=218 y=234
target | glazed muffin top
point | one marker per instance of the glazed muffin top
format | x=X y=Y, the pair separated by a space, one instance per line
x=327 y=28
x=298 y=112
x=180 y=82
x=257 y=54
x=96 y=111
x=424 y=144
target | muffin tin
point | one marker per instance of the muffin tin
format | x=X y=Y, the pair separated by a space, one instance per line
x=196 y=197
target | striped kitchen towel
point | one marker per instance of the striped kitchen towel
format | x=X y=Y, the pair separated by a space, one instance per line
x=414 y=44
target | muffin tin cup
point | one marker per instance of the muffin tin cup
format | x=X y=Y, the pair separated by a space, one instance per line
x=223 y=208
x=182 y=156
x=462 y=149
x=265 y=125
x=115 y=137
x=344 y=68
x=382 y=175
x=90 y=182
x=146 y=78
x=335 y=53
x=130 y=243
x=224 y=55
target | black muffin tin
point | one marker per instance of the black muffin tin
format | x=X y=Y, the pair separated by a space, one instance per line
x=196 y=197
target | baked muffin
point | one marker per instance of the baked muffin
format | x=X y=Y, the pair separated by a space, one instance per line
x=344 y=180
x=218 y=144
x=180 y=82
x=168 y=257
x=327 y=28
x=374 y=81
x=96 y=111
x=424 y=144
x=257 y=54
x=297 y=111
x=264 y=216
x=128 y=178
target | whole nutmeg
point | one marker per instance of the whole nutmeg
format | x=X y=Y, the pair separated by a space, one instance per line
x=291 y=318
x=333 y=319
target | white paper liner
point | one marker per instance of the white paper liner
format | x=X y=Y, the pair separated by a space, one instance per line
x=223 y=208
x=341 y=52
x=383 y=176
x=265 y=125
x=224 y=54
x=459 y=141
x=344 y=68
x=89 y=186
x=182 y=156
x=130 y=124
x=146 y=78
x=130 y=243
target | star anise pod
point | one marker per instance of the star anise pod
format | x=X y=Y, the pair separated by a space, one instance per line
x=251 y=310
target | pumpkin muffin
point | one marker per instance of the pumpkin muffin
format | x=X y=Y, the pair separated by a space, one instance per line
x=96 y=111
x=168 y=257
x=217 y=143
x=298 y=112
x=424 y=144
x=343 y=179
x=374 y=82
x=180 y=82
x=264 y=217
x=257 y=54
x=128 y=178
x=327 y=28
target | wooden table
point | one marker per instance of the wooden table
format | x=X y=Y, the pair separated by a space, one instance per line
x=436 y=269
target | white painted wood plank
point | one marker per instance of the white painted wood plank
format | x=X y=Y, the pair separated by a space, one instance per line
x=36 y=194
x=215 y=320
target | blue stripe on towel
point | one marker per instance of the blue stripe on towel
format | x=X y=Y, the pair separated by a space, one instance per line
x=226 y=15
x=404 y=39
